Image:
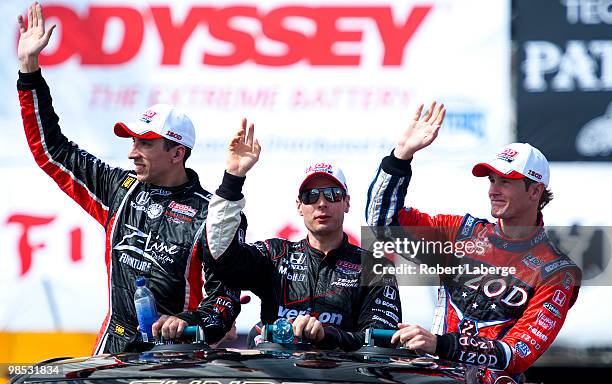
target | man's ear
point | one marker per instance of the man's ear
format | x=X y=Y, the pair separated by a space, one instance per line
x=179 y=154
x=536 y=191
x=298 y=205
x=347 y=205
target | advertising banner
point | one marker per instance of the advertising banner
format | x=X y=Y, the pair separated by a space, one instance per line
x=564 y=94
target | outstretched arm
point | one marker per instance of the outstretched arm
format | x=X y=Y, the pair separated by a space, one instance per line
x=33 y=38
x=83 y=177
x=235 y=262
x=421 y=131
x=387 y=191
x=243 y=151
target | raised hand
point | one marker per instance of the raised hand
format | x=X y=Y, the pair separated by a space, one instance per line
x=421 y=131
x=32 y=39
x=243 y=151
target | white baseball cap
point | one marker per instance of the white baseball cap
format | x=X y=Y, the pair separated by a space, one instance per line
x=158 y=121
x=515 y=161
x=326 y=169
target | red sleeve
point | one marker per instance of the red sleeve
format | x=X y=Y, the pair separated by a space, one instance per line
x=535 y=331
x=528 y=338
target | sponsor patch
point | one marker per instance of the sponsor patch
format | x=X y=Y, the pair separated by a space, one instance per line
x=545 y=322
x=154 y=211
x=555 y=265
x=559 y=297
x=147 y=116
x=540 y=335
x=387 y=304
x=531 y=261
x=224 y=301
x=507 y=155
x=552 y=309
x=160 y=192
x=535 y=174
x=174 y=135
x=390 y=293
x=127 y=183
x=142 y=198
x=320 y=167
x=176 y=218
x=297 y=258
x=119 y=329
x=138 y=207
x=389 y=314
x=182 y=209
x=386 y=322
x=467 y=227
x=522 y=349
x=468 y=327
x=568 y=281
x=349 y=283
x=531 y=341
x=323 y=317
x=137 y=264
x=343 y=266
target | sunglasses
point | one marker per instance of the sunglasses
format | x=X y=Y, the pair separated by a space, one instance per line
x=332 y=194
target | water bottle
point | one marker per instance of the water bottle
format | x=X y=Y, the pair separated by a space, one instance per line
x=144 y=301
x=282 y=331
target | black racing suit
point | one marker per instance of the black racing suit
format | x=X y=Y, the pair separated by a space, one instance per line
x=151 y=231
x=293 y=278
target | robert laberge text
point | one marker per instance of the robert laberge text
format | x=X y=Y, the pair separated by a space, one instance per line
x=423 y=269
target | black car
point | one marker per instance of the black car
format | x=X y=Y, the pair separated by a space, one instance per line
x=269 y=363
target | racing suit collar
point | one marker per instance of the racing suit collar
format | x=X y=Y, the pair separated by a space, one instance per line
x=344 y=245
x=192 y=183
x=499 y=240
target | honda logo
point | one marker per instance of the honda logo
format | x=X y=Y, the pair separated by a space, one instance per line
x=390 y=293
x=142 y=198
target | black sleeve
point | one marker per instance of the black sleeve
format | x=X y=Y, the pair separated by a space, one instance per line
x=217 y=311
x=379 y=307
x=85 y=178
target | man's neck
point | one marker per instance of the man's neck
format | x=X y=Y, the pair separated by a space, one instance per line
x=176 y=178
x=325 y=243
x=519 y=227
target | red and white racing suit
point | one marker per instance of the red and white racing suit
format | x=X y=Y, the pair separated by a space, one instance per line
x=501 y=322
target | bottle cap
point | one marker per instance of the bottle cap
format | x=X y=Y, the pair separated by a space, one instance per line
x=140 y=281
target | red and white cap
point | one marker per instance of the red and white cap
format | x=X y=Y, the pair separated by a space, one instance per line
x=515 y=161
x=326 y=169
x=158 y=121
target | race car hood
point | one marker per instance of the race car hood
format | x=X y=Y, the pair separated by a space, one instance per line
x=242 y=366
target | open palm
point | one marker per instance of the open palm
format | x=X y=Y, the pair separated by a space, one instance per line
x=243 y=151
x=421 y=131
x=33 y=38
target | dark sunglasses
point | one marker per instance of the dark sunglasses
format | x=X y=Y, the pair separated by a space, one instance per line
x=332 y=194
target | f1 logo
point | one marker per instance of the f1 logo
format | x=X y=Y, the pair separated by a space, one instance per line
x=559 y=297
x=390 y=293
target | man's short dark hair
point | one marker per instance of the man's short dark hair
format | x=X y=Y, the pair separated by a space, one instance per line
x=169 y=144
x=546 y=197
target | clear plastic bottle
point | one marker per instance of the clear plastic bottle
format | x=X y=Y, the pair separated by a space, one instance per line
x=146 y=311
